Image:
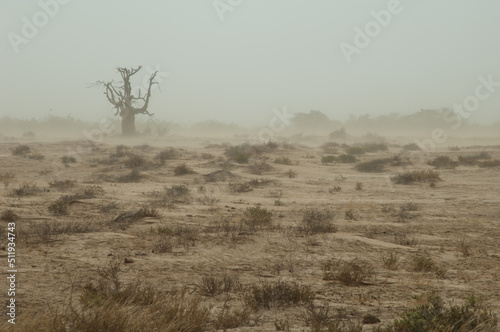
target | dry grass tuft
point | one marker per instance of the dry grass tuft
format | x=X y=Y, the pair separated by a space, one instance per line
x=351 y=273
x=268 y=295
x=20 y=150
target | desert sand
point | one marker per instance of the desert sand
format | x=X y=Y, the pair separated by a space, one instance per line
x=77 y=220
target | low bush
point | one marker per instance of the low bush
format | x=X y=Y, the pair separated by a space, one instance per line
x=68 y=159
x=25 y=189
x=135 y=161
x=473 y=159
x=183 y=169
x=259 y=167
x=350 y=273
x=283 y=161
x=62 y=185
x=330 y=147
x=212 y=285
x=416 y=176
x=167 y=154
x=390 y=261
x=8 y=216
x=373 y=166
x=257 y=216
x=127 y=217
x=321 y=319
x=316 y=221
x=443 y=162
x=327 y=159
x=268 y=295
x=239 y=187
x=132 y=177
x=489 y=163
x=48 y=230
x=355 y=150
x=374 y=147
x=346 y=158
x=411 y=147
x=422 y=263
x=20 y=150
x=239 y=153
x=6 y=178
x=59 y=208
x=433 y=315
x=311 y=214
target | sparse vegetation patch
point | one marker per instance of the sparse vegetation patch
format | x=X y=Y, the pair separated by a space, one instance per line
x=416 y=176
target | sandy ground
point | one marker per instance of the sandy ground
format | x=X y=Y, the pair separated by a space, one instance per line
x=456 y=224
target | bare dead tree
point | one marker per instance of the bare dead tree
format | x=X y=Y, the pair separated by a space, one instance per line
x=126 y=104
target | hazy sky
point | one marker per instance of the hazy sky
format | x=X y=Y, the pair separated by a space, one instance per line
x=237 y=63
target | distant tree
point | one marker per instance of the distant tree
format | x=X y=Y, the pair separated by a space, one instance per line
x=121 y=96
x=314 y=121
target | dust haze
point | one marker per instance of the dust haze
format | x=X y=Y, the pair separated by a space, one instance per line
x=235 y=166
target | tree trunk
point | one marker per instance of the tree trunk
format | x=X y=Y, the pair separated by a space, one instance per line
x=128 y=124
